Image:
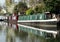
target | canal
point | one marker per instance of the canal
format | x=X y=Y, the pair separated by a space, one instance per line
x=12 y=34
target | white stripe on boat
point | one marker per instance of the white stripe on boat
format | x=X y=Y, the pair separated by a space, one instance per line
x=49 y=20
x=44 y=25
x=48 y=31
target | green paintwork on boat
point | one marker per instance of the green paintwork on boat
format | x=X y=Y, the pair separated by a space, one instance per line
x=33 y=17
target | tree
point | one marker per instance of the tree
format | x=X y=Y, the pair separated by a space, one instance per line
x=29 y=11
x=32 y=3
x=52 y=5
x=39 y=8
x=49 y=4
x=20 y=7
x=56 y=8
x=15 y=10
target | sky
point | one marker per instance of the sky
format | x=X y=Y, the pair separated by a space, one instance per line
x=2 y=2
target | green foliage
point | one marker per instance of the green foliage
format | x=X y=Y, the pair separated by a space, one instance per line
x=15 y=9
x=51 y=5
x=20 y=7
x=29 y=11
x=56 y=8
x=31 y=2
x=46 y=5
x=40 y=8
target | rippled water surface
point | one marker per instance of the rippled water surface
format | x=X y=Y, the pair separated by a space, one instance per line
x=10 y=34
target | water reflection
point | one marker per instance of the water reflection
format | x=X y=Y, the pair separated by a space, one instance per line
x=2 y=33
x=10 y=37
x=11 y=34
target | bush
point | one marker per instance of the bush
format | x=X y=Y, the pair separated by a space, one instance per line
x=29 y=11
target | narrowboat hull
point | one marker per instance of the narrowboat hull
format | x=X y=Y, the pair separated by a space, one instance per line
x=48 y=25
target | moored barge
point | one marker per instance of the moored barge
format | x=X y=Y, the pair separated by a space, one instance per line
x=42 y=21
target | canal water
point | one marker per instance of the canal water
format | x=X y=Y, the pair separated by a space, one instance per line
x=12 y=34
